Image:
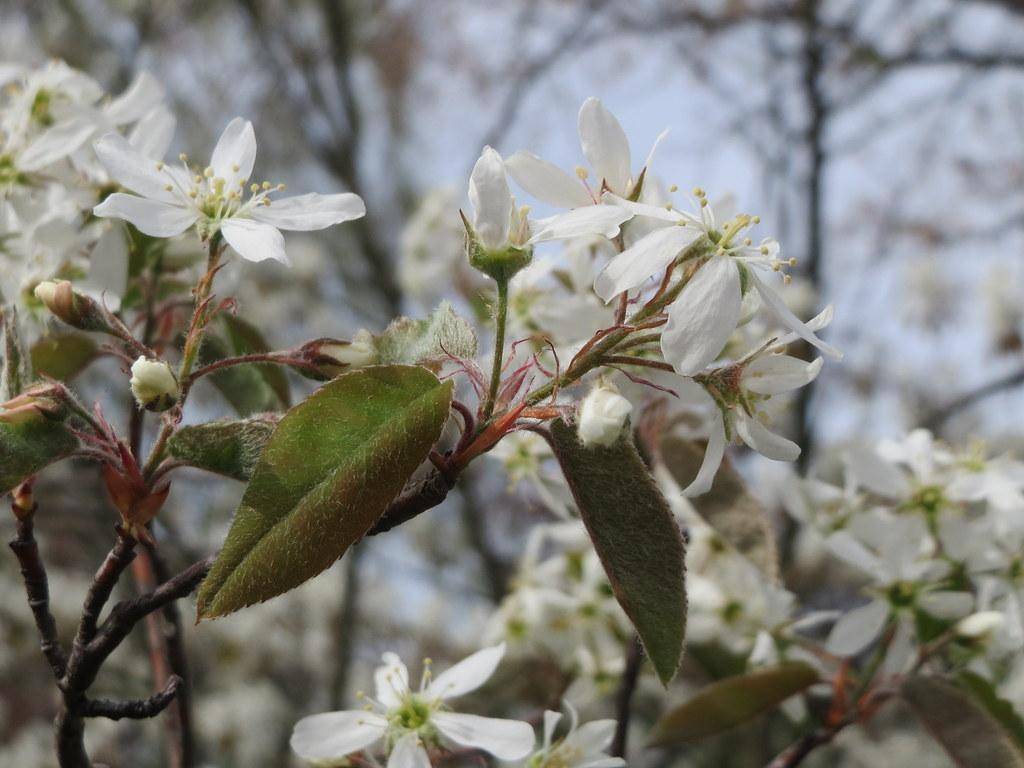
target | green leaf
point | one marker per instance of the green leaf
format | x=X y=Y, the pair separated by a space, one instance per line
x=728 y=507
x=226 y=447
x=636 y=537
x=29 y=446
x=965 y=728
x=731 y=702
x=63 y=356
x=428 y=342
x=1002 y=710
x=328 y=473
x=252 y=388
x=15 y=374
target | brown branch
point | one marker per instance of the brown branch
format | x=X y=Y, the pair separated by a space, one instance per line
x=795 y=753
x=37 y=589
x=425 y=494
x=941 y=415
x=135 y=709
x=122 y=554
x=624 y=697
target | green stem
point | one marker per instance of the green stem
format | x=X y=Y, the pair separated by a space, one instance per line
x=189 y=353
x=501 y=319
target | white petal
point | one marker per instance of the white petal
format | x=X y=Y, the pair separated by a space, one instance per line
x=392 y=681
x=254 y=240
x=844 y=546
x=703 y=317
x=946 y=604
x=772 y=374
x=144 y=94
x=153 y=134
x=649 y=256
x=108 y=267
x=604 y=762
x=468 y=675
x=332 y=735
x=764 y=441
x=505 y=739
x=875 y=473
x=785 y=316
x=304 y=213
x=654 y=148
x=659 y=212
x=55 y=143
x=491 y=199
x=604 y=144
x=236 y=148
x=546 y=181
x=857 y=629
x=408 y=753
x=151 y=217
x=712 y=458
x=551 y=720
x=592 y=738
x=601 y=220
x=134 y=170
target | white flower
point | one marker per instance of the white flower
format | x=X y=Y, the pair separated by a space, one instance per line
x=707 y=310
x=153 y=384
x=584 y=746
x=499 y=225
x=603 y=413
x=606 y=148
x=409 y=721
x=215 y=199
x=740 y=393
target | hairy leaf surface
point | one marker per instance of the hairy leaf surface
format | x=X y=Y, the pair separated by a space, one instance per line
x=226 y=447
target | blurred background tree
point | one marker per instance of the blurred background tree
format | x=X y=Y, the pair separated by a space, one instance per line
x=881 y=141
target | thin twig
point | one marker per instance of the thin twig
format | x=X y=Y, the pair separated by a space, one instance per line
x=624 y=697
x=135 y=709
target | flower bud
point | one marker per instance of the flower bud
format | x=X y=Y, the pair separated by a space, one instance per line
x=41 y=401
x=137 y=503
x=332 y=357
x=153 y=384
x=502 y=263
x=75 y=309
x=603 y=413
x=979 y=625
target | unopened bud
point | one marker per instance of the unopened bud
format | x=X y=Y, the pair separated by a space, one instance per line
x=332 y=357
x=41 y=401
x=603 y=413
x=154 y=385
x=979 y=625
x=75 y=309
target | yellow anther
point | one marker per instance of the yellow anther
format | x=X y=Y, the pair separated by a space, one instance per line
x=208 y=172
x=698 y=192
x=674 y=188
x=281 y=187
x=193 y=193
x=787 y=279
x=235 y=167
x=764 y=250
x=159 y=166
x=198 y=179
x=792 y=261
x=703 y=202
x=756 y=220
x=254 y=188
x=265 y=185
x=747 y=241
x=183 y=157
x=168 y=188
x=582 y=173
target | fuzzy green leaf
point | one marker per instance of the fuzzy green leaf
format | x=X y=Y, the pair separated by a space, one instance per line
x=635 y=535
x=252 y=388
x=329 y=471
x=428 y=342
x=731 y=702
x=972 y=735
x=226 y=447
x=63 y=356
x=30 y=446
x=728 y=507
x=1002 y=710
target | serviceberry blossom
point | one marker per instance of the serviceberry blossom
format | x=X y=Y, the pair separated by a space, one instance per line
x=498 y=224
x=724 y=266
x=740 y=391
x=408 y=723
x=605 y=147
x=603 y=414
x=584 y=746
x=215 y=199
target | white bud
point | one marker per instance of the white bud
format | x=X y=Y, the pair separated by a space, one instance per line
x=979 y=625
x=153 y=384
x=603 y=412
x=358 y=353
